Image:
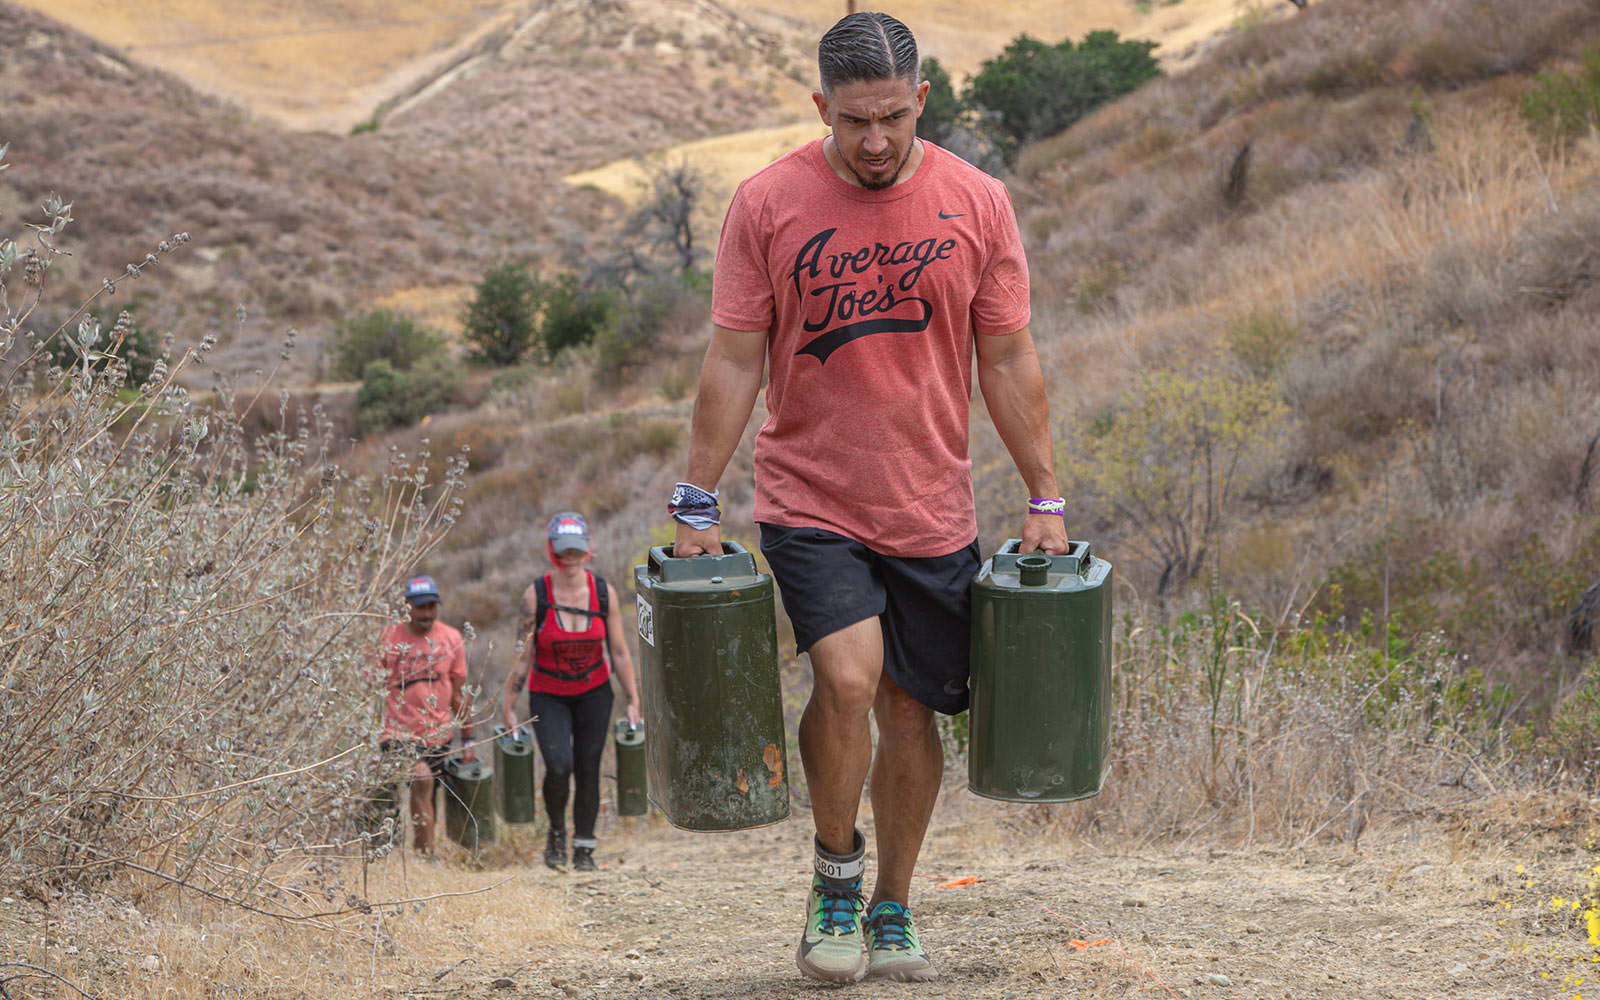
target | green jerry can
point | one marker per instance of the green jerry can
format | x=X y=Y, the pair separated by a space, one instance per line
x=717 y=758
x=631 y=768
x=1040 y=723
x=469 y=802
x=513 y=769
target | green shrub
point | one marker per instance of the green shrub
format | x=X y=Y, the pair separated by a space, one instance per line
x=1261 y=341
x=1575 y=731
x=571 y=315
x=1172 y=460
x=501 y=323
x=389 y=397
x=633 y=321
x=1036 y=90
x=1564 y=106
x=379 y=334
x=942 y=112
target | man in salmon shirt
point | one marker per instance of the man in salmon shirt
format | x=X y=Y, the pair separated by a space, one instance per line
x=864 y=271
x=422 y=664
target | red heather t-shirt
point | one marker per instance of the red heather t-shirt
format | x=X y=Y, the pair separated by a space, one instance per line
x=870 y=300
x=419 y=673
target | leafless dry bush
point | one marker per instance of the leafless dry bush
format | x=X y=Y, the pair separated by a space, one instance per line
x=1231 y=729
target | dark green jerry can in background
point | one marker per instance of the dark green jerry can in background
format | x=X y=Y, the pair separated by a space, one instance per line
x=708 y=652
x=631 y=770
x=1040 y=723
x=469 y=802
x=513 y=769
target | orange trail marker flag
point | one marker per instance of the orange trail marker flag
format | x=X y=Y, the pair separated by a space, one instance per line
x=960 y=882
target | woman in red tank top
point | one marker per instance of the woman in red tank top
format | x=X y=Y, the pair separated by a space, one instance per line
x=570 y=650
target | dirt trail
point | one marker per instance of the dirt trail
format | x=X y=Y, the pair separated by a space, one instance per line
x=1414 y=913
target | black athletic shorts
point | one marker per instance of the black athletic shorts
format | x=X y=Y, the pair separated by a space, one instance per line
x=828 y=581
x=433 y=756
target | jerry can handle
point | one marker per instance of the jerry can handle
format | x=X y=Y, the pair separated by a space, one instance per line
x=659 y=554
x=735 y=560
x=1078 y=550
x=1076 y=560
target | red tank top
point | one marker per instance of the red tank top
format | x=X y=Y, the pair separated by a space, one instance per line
x=566 y=662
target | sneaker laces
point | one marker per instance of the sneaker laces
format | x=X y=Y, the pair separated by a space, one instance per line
x=891 y=927
x=840 y=902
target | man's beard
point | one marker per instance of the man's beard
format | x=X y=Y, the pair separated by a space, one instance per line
x=878 y=185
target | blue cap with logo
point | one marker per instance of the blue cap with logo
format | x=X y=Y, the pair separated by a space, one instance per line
x=421 y=590
x=569 y=532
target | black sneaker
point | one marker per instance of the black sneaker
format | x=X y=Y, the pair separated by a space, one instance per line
x=583 y=859
x=555 y=848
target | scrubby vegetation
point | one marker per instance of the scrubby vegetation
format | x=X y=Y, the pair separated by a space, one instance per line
x=188 y=613
x=1353 y=209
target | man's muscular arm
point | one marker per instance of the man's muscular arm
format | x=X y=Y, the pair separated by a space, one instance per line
x=730 y=379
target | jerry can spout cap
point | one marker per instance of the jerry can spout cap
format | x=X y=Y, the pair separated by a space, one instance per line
x=1033 y=571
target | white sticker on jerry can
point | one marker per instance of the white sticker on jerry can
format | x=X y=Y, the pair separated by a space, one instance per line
x=647 y=623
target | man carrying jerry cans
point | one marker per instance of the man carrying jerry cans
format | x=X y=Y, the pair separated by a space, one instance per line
x=422 y=664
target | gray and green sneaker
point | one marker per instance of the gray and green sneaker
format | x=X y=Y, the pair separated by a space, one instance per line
x=831 y=949
x=893 y=951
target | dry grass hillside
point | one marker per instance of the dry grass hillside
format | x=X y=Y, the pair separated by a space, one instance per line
x=299 y=228
x=1390 y=232
x=1348 y=204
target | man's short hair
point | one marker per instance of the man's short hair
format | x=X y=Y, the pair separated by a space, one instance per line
x=866 y=46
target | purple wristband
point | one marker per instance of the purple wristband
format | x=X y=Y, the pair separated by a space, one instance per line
x=1048 y=505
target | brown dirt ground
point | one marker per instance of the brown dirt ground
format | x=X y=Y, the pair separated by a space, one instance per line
x=1413 y=913
x=1457 y=904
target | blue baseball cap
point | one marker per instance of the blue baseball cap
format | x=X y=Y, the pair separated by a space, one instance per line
x=569 y=532
x=421 y=590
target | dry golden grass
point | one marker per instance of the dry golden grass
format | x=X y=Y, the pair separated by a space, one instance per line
x=307 y=67
x=427 y=919
x=435 y=307
x=725 y=160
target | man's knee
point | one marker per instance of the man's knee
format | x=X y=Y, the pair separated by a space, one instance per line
x=900 y=716
x=846 y=666
x=422 y=786
x=845 y=692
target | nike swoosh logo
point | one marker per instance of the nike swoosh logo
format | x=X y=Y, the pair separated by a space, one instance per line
x=951 y=215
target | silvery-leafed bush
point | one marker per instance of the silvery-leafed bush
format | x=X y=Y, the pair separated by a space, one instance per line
x=188 y=611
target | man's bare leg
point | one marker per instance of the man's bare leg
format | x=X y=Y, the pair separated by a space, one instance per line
x=906 y=774
x=835 y=735
x=836 y=751
x=422 y=823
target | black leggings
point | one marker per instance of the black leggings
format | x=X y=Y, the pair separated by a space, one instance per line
x=571 y=730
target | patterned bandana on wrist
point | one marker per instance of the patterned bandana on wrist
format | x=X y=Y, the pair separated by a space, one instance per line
x=1047 y=505
x=693 y=506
